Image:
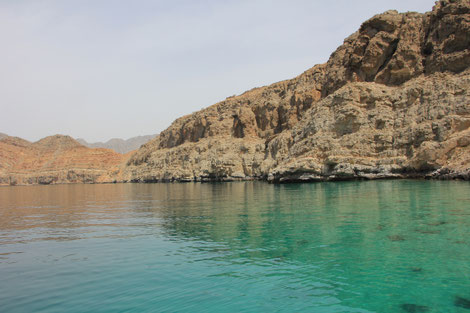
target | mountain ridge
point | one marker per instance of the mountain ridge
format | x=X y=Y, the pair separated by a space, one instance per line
x=119 y=145
x=55 y=159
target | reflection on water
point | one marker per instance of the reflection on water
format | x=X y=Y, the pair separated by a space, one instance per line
x=385 y=246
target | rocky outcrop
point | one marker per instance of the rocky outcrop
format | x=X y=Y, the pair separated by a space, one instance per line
x=119 y=145
x=227 y=140
x=390 y=102
x=369 y=130
x=55 y=159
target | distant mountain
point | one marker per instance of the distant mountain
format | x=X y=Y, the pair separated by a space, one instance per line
x=2 y=135
x=55 y=159
x=119 y=145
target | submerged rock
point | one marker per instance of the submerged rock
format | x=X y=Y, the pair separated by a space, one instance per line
x=430 y=232
x=381 y=227
x=462 y=302
x=302 y=242
x=396 y=238
x=414 y=308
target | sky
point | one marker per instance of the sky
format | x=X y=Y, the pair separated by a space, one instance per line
x=101 y=69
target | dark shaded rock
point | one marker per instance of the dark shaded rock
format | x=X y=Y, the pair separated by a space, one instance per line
x=430 y=232
x=414 y=308
x=437 y=223
x=380 y=227
x=396 y=238
x=462 y=302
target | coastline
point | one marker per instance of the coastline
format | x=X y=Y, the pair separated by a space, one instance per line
x=299 y=177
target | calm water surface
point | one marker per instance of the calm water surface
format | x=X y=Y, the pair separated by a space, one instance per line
x=377 y=246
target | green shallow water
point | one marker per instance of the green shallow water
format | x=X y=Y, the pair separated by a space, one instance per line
x=374 y=246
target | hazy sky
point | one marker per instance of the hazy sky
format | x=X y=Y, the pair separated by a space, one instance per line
x=99 y=69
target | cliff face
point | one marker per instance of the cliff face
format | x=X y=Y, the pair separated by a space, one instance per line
x=229 y=138
x=390 y=102
x=55 y=159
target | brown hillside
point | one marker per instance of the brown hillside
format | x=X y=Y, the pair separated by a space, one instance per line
x=55 y=159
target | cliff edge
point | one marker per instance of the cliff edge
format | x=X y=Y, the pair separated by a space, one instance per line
x=392 y=101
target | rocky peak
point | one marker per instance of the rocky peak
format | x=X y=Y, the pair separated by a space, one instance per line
x=444 y=7
x=386 y=49
x=392 y=48
x=447 y=43
x=56 y=142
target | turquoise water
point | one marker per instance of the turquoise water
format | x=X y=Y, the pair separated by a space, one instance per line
x=374 y=246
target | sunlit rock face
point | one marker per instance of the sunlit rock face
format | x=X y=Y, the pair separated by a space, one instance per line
x=392 y=101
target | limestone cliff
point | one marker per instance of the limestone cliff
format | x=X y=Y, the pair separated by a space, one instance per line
x=55 y=159
x=392 y=101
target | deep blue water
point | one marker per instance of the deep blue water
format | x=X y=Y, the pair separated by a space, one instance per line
x=374 y=246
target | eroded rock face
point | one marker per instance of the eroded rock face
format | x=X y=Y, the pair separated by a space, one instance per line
x=447 y=40
x=227 y=140
x=390 y=102
x=369 y=130
x=386 y=50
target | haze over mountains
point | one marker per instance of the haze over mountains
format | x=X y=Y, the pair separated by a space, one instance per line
x=119 y=145
x=391 y=102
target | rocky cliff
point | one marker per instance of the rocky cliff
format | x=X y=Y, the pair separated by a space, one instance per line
x=392 y=101
x=55 y=159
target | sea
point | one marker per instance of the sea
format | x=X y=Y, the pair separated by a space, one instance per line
x=356 y=246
